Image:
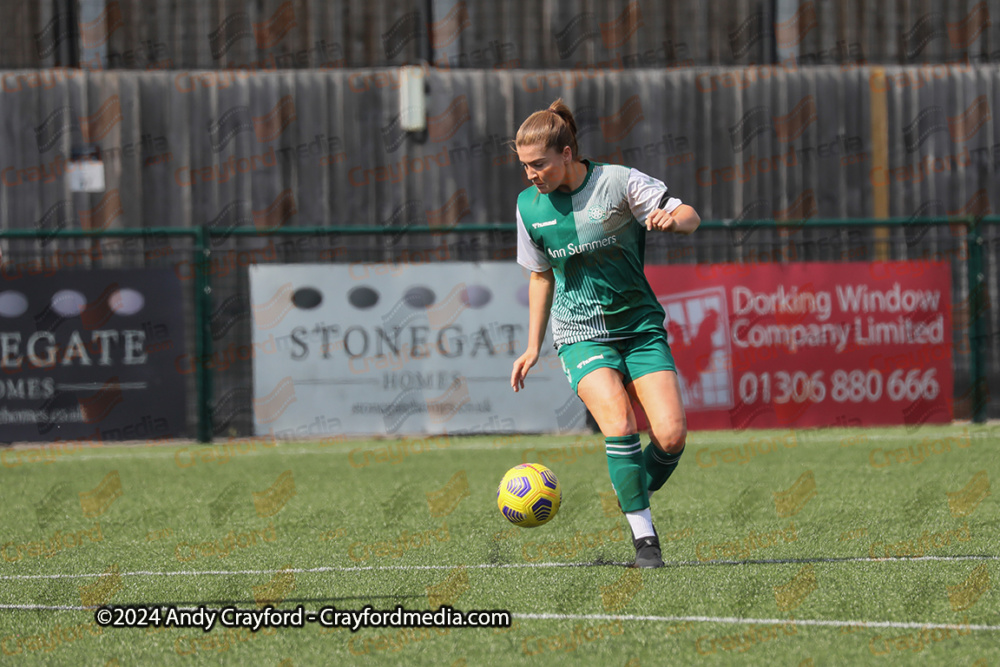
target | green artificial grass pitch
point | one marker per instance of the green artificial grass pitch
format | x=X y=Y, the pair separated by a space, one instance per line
x=808 y=547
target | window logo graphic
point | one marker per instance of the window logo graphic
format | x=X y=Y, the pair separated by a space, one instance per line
x=697 y=324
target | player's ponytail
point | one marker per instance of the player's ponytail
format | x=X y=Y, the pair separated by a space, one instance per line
x=552 y=128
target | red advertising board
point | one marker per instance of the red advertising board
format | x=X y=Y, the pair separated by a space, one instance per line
x=810 y=344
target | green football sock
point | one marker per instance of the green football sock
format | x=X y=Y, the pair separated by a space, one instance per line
x=627 y=473
x=659 y=466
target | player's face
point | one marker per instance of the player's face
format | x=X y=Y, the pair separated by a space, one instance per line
x=545 y=168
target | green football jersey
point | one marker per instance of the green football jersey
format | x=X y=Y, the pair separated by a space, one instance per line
x=594 y=240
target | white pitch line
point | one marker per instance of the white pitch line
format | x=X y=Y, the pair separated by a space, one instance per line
x=657 y=619
x=759 y=621
x=343 y=448
x=357 y=568
x=41 y=607
x=491 y=566
x=196 y=449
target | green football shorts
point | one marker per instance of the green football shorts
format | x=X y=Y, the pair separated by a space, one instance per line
x=634 y=357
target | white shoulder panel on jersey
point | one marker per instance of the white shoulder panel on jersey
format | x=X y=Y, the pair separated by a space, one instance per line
x=529 y=255
x=646 y=194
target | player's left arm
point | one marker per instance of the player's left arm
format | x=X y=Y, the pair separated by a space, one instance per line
x=656 y=209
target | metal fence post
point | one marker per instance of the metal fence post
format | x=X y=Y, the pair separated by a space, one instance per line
x=202 y=332
x=977 y=304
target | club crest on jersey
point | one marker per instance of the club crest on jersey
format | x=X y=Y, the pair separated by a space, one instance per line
x=543 y=224
x=607 y=214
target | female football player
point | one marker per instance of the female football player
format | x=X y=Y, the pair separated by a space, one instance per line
x=581 y=232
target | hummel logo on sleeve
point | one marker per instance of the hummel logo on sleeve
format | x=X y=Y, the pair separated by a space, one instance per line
x=543 y=224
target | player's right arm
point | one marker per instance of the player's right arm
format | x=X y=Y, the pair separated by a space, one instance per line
x=541 y=285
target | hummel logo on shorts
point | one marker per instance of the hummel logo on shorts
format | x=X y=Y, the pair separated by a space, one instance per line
x=587 y=361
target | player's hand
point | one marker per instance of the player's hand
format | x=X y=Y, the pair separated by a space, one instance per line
x=662 y=221
x=521 y=367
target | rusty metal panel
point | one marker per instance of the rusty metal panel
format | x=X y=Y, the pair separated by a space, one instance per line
x=555 y=34
x=186 y=148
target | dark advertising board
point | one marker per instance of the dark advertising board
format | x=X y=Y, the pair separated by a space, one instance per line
x=88 y=355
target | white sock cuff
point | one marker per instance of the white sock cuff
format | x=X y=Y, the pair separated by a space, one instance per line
x=626 y=445
x=625 y=451
x=641 y=523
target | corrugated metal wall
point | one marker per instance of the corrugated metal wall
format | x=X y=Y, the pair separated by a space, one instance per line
x=270 y=34
x=326 y=148
x=230 y=113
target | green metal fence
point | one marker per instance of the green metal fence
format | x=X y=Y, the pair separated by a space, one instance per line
x=972 y=245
